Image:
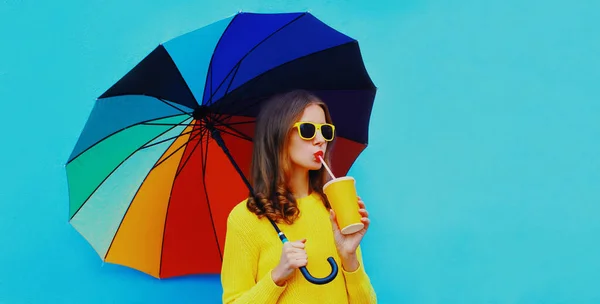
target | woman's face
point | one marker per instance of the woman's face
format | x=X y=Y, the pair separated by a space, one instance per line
x=302 y=151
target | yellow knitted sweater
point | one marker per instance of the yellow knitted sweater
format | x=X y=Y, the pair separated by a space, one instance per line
x=253 y=250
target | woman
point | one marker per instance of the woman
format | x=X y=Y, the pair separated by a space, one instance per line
x=288 y=182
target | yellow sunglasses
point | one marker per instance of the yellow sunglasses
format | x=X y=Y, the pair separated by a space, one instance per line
x=308 y=130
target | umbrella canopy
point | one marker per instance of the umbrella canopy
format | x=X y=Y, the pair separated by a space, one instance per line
x=163 y=157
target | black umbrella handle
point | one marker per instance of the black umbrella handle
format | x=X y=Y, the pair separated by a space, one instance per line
x=325 y=280
x=306 y=273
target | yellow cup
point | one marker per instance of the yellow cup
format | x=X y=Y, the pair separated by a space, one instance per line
x=341 y=193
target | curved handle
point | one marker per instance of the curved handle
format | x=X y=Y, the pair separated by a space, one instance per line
x=325 y=280
x=306 y=274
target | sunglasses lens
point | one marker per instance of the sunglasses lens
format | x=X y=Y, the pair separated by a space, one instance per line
x=327 y=132
x=307 y=130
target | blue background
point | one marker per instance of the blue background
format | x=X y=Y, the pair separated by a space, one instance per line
x=482 y=176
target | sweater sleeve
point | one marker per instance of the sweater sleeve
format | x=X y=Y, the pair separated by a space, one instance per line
x=239 y=269
x=358 y=284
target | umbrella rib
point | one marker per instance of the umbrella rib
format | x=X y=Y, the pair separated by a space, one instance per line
x=115 y=169
x=169 y=104
x=248 y=53
x=188 y=158
x=123 y=129
x=172 y=153
x=234 y=132
x=162 y=242
x=236 y=68
x=129 y=206
x=244 y=137
x=241 y=122
x=212 y=57
x=212 y=221
x=210 y=69
x=248 y=106
x=205 y=135
x=169 y=124
x=164 y=140
x=162 y=246
x=202 y=149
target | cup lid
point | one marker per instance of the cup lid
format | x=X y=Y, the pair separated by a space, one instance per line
x=337 y=179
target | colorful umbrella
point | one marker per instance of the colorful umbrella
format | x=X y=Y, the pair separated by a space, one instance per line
x=166 y=150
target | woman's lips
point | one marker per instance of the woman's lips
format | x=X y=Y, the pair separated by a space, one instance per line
x=317 y=155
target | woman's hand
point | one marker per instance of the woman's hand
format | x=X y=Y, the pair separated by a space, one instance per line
x=347 y=244
x=293 y=256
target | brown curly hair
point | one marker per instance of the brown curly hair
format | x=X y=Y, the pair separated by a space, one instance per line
x=270 y=167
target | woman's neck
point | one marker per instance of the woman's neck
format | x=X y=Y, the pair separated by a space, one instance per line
x=299 y=182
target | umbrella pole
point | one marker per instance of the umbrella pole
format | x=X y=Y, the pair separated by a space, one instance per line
x=216 y=135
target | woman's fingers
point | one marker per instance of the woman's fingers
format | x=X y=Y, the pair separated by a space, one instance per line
x=299 y=244
x=299 y=255
x=366 y=221
x=334 y=225
x=361 y=204
x=297 y=259
x=364 y=213
x=299 y=262
x=295 y=248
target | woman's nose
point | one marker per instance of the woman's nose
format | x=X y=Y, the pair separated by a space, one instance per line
x=318 y=140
